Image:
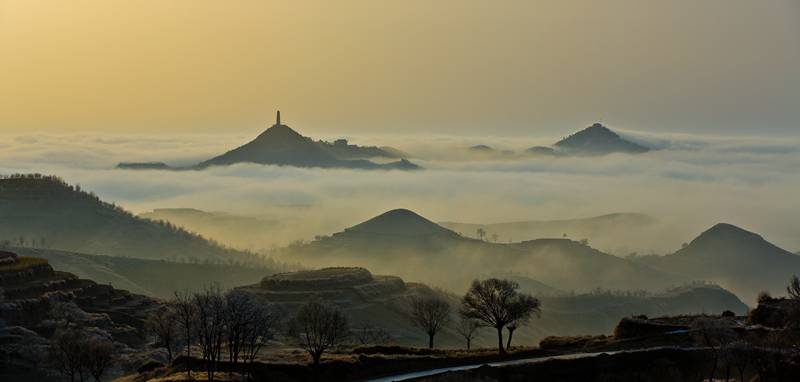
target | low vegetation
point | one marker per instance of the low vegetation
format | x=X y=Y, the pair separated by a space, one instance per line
x=23 y=262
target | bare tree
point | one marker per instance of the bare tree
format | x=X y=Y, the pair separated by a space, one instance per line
x=739 y=355
x=186 y=312
x=714 y=334
x=481 y=233
x=163 y=324
x=496 y=303
x=495 y=237
x=77 y=356
x=794 y=288
x=239 y=313
x=265 y=322
x=318 y=327
x=210 y=323
x=367 y=334
x=98 y=357
x=467 y=328
x=430 y=314
x=66 y=354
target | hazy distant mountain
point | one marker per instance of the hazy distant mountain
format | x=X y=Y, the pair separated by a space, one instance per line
x=481 y=148
x=143 y=166
x=739 y=260
x=280 y=145
x=404 y=243
x=605 y=231
x=598 y=140
x=47 y=212
x=234 y=230
x=400 y=222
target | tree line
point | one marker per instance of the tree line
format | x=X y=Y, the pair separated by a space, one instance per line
x=491 y=303
x=227 y=330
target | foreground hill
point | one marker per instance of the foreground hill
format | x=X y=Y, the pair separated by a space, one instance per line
x=38 y=301
x=403 y=243
x=739 y=260
x=280 y=145
x=602 y=231
x=382 y=303
x=42 y=211
x=157 y=278
x=368 y=300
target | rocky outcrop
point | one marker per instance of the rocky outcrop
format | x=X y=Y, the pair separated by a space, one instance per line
x=38 y=302
x=325 y=278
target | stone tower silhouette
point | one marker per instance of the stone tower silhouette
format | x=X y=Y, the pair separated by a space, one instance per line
x=278 y=118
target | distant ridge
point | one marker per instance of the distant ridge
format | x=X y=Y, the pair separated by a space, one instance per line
x=598 y=140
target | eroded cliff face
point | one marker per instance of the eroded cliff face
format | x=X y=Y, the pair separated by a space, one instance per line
x=38 y=302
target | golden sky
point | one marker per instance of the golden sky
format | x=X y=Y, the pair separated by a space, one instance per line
x=449 y=66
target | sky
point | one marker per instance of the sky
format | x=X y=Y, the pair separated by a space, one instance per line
x=459 y=67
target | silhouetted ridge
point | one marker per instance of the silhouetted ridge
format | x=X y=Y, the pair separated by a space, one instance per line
x=737 y=259
x=46 y=211
x=280 y=134
x=400 y=222
x=728 y=240
x=598 y=139
x=282 y=146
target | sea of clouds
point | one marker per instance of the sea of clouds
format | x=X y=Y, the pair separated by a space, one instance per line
x=688 y=184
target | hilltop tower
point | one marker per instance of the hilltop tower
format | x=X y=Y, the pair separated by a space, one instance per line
x=278 y=118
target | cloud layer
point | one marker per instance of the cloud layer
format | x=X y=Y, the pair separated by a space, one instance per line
x=690 y=184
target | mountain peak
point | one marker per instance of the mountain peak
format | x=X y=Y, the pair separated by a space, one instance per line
x=282 y=146
x=597 y=140
x=724 y=238
x=400 y=222
x=279 y=132
x=727 y=229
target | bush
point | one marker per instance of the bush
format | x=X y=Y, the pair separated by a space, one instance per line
x=728 y=313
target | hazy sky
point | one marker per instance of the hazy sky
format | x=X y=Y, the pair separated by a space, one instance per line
x=465 y=67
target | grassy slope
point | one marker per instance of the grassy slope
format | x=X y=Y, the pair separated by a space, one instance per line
x=46 y=212
x=156 y=278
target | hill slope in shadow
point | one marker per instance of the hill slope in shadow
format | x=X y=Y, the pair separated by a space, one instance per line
x=737 y=259
x=403 y=243
x=46 y=212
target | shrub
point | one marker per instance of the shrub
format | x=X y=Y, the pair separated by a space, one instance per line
x=728 y=313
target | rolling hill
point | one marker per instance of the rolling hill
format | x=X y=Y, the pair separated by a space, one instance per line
x=739 y=260
x=46 y=212
x=403 y=243
x=382 y=302
x=156 y=278
x=602 y=231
